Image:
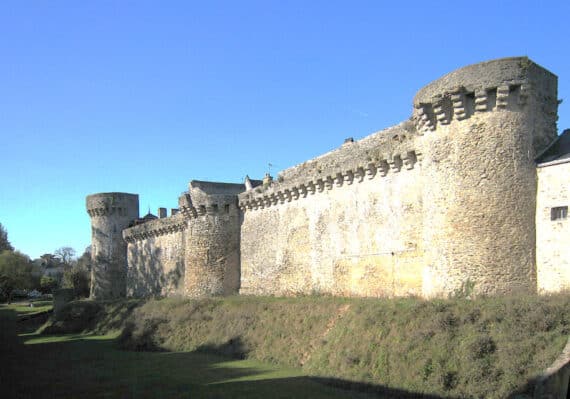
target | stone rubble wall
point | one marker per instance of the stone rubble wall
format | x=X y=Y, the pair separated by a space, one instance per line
x=462 y=216
x=346 y=223
x=212 y=243
x=483 y=126
x=156 y=264
x=212 y=254
x=440 y=204
x=110 y=213
x=193 y=253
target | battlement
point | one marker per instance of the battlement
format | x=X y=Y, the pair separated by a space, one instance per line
x=108 y=204
x=209 y=198
x=155 y=228
x=443 y=198
x=384 y=152
x=503 y=84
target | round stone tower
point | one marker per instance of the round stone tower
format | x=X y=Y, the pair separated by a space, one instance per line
x=481 y=128
x=212 y=238
x=110 y=213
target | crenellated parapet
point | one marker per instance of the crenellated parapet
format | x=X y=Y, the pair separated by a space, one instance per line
x=213 y=207
x=210 y=198
x=155 y=228
x=387 y=152
x=482 y=127
x=507 y=84
x=446 y=198
x=111 y=204
x=461 y=103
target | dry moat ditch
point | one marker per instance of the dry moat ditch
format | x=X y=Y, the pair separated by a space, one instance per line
x=483 y=348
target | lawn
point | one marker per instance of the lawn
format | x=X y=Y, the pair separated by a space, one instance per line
x=24 y=308
x=92 y=366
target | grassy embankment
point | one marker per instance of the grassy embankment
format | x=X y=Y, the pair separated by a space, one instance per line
x=93 y=366
x=485 y=348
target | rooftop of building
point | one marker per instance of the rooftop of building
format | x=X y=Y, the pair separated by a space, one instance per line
x=557 y=152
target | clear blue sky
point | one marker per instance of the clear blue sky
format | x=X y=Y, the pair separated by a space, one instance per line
x=142 y=97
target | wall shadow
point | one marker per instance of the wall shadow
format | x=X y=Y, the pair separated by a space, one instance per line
x=146 y=275
x=90 y=367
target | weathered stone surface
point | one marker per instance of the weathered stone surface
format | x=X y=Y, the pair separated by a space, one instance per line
x=465 y=215
x=110 y=214
x=360 y=237
x=194 y=252
x=443 y=201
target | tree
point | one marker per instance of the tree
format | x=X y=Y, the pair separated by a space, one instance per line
x=77 y=275
x=4 y=243
x=49 y=260
x=65 y=255
x=48 y=284
x=85 y=259
x=15 y=273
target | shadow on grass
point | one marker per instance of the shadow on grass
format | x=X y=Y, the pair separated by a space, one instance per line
x=71 y=366
x=93 y=366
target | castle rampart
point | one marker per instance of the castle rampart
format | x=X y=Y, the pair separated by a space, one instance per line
x=439 y=204
x=480 y=176
x=194 y=252
x=469 y=207
x=346 y=223
x=212 y=245
x=156 y=257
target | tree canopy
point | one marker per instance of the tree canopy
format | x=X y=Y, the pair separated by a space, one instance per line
x=15 y=273
x=65 y=255
x=4 y=243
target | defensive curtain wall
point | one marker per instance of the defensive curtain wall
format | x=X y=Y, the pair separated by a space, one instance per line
x=422 y=208
x=193 y=253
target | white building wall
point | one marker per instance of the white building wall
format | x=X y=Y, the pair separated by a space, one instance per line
x=553 y=236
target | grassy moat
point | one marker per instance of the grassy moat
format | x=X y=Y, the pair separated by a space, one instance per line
x=309 y=347
x=94 y=366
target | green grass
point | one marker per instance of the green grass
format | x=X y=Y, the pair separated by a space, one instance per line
x=23 y=308
x=92 y=366
x=484 y=348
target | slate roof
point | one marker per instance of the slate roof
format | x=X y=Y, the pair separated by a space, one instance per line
x=559 y=150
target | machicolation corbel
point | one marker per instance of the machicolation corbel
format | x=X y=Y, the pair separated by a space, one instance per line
x=349 y=177
x=371 y=171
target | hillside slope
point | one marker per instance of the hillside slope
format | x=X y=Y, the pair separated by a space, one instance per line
x=484 y=348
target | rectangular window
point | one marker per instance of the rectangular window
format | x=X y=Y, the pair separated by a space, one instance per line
x=559 y=213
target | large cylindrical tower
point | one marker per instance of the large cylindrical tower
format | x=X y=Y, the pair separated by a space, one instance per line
x=482 y=127
x=110 y=213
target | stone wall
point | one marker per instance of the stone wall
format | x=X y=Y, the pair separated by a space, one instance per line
x=483 y=127
x=156 y=264
x=440 y=204
x=212 y=241
x=463 y=215
x=193 y=253
x=346 y=223
x=553 y=236
x=110 y=213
